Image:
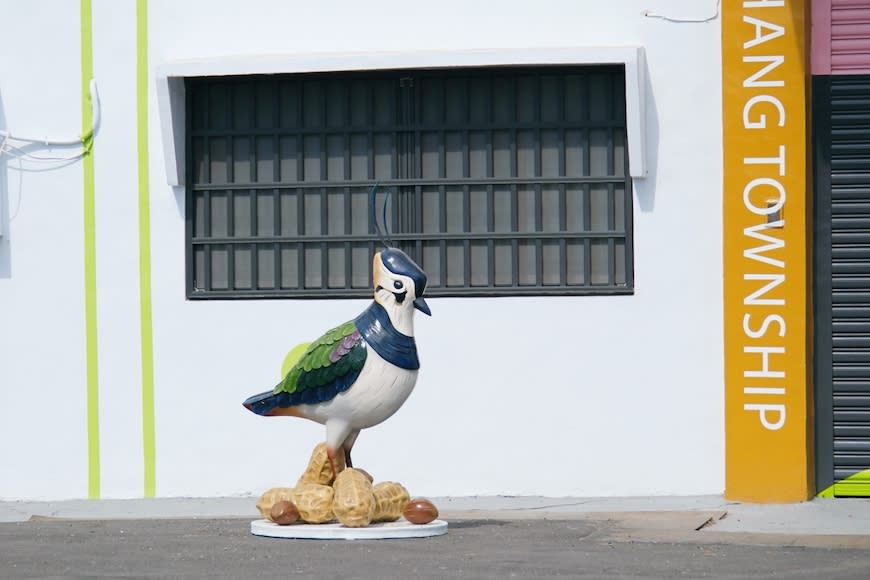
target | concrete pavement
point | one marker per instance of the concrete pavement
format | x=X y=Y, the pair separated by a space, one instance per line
x=489 y=537
x=474 y=548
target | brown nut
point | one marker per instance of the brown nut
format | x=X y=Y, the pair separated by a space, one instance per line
x=367 y=474
x=272 y=496
x=284 y=513
x=420 y=511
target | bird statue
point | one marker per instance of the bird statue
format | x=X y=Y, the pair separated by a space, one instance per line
x=359 y=373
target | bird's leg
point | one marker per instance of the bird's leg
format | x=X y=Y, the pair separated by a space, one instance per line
x=348 y=445
x=337 y=431
x=331 y=454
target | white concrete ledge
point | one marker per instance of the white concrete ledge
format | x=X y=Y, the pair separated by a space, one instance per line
x=245 y=507
x=819 y=516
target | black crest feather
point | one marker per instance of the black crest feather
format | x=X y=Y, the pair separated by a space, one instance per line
x=386 y=239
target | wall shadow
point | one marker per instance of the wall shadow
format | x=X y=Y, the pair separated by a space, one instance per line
x=180 y=191
x=645 y=188
x=5 y=234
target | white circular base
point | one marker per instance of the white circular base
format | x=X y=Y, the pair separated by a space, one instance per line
x=336 y=531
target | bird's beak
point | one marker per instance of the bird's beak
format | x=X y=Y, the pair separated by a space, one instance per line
x=420 y=304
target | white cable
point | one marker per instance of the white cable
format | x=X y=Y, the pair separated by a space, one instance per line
x=61 y=141
x=650 y=14
x=14 y=214
x=19 y=153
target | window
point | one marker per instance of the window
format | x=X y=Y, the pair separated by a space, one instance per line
x=503 y=181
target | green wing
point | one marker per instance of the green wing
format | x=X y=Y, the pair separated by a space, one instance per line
x=329 y=366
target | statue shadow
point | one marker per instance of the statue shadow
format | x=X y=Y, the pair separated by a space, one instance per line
x=470 y=524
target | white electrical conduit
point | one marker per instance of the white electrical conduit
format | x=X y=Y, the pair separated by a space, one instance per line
x=83 y=140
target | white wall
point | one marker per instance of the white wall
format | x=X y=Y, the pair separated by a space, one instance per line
x=42 y=354
x=557 y=396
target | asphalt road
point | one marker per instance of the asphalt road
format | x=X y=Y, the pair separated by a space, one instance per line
x=483 y=548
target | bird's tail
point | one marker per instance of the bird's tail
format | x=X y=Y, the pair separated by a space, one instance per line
x=264 y=403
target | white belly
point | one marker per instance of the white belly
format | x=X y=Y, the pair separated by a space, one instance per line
x=378 y=392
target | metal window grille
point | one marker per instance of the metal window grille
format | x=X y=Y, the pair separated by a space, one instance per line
x=504 y=181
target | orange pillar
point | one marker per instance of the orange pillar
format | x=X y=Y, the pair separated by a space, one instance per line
x=768 y=391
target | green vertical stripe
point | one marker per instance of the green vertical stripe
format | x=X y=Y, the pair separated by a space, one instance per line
x=93 y=384
x=148 y=436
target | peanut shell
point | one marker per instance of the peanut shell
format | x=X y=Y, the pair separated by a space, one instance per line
x=390 y=499
x=319 y=468
x=354 y=504
x=314 y=503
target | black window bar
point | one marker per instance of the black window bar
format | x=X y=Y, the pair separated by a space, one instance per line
x=504 y=181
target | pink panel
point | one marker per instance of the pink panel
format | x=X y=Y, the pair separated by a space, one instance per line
x=849 y=42
x=820 y=43
x=850 y=14
x=851 y=63
x=851 y=30
x=849 y=46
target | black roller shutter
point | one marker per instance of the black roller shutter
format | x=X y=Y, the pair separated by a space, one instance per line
x=842 y=305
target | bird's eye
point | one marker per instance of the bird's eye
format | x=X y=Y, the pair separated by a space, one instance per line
x=397 y=285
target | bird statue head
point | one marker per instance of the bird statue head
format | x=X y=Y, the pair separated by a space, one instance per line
x=399 y=282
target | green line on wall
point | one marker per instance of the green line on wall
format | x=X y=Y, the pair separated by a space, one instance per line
x=147 y=339
x=93 y=383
